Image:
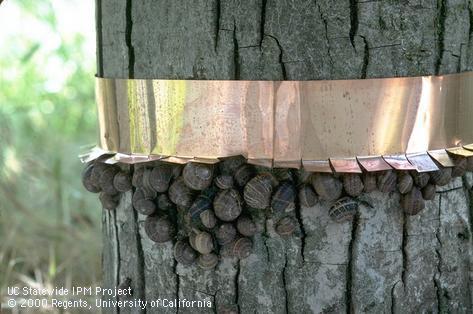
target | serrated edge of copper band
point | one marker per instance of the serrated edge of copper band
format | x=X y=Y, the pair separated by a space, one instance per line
x=345 y=165
x=422 y=162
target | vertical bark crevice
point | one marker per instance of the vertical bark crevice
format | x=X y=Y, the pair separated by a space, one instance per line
x=327 y=41
x=236 y=54
x=302 y=230
x=441 y=16
x=353 y=21
x=262 y=20
x=98 y=21
x=286 y=295
x=117 y=241
x=140 y=284
x=218 y=13
x=128 y=39
x=404 y=250
x=174 y=270
x=350 y=266
x=438 y=275
x=237 y=284
x=280 y=59
x=366 y=58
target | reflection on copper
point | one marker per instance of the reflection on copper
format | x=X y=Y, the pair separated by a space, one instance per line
x=422 y=162
x=177 y=160
x=345 y=165
x=460 y=151
x=373 y=163
x=317 y=166
x=209 y=161
x=296 y=164
x=442 y=157
x=469 y=147
x=261 y=162
x=399 y=162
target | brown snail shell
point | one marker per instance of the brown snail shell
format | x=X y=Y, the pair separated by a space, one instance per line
x=225 y=234
x=428 y=192
x=208 y=219
x=412 y=202
x=404 y=183
x=353 y=184
x=441 y=177
x=137 y=178
x=207 y=261
x=421 y=179
x=160 y=177
x=106 y=180
x=246 y=226
x=97 y=170
x=87 y=180
x=227 y=205
x=200 y=204
x=122 y=182
x=144 y=206
x=257 y=192
x=197 y=176
x=387 y=181
x=164 y=203
x=108 y=201
x=159 y=229
x=285 y=226
x=243 y=174
x=343 y=209
x=307 y=196
x=242 y=247
x=460 y=166
x=180 y=194
x=230 y=165
x=303 y=176
x=224 y=181
x=369 y=182
x=327 y=186
x=203 y=242
x=283 y=174
x=283 y=198
x=184 y=253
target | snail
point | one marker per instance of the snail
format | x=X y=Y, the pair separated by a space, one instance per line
x=428 y=192
x=283 y=174
x=243 y=174
x=307 y=196
x=137 y=178
x=404 y=183
x=353 y=184
x=246 y=226
x=180 y=194
x=229 y=165
x=242 y=247
x=122 y=181
x=159 y=229
x=285 y=226
x=208 y=219
x=144 y=206
x=108 y=201
x=441 y=177
x=369 y=182
x=160 y=177
x=283 y=198
x=257 y=192
x=343 y=209
x=164 y=203
x=184 y=253
x=97 y=170
x=460 y=167
x=197 y=176
x=207 y=261
x=87 y=179
x=201 y=203
x=412 y=202
x=327 y=187
x=303 y=176
x=387 y=181
x=225 y=234
x=224 y=181
x=227 y=205
x=106 y=179
x=421 y=179
x=203 y=242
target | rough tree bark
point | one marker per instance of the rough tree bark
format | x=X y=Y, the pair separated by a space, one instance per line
x=383 y=261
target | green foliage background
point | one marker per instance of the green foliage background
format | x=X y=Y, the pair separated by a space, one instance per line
x=49 y=225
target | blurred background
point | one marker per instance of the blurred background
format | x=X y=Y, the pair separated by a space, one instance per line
x=50 y=227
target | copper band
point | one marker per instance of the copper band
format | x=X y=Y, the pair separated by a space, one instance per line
x=288 y=123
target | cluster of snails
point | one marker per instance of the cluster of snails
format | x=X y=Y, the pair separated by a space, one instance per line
x=209 y=211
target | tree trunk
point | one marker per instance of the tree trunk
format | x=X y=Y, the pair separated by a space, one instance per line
x=381 y=262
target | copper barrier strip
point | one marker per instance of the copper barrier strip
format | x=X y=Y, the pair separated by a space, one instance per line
x=442 y=157
x=317 y=166
x=422 y=162
x=460 y=151
x=399 y=162
x=345 y=165
x=373 y=163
